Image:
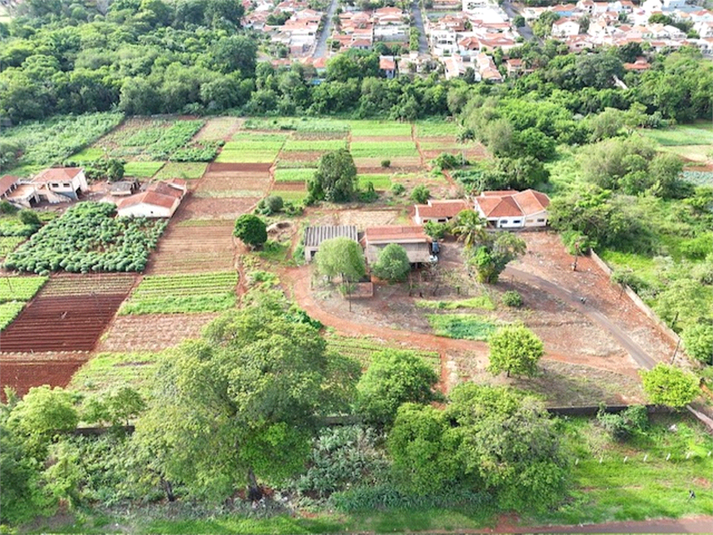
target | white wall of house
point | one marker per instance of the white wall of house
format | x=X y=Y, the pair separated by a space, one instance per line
x=508 y=222
x=536 y=220
x=148 y=210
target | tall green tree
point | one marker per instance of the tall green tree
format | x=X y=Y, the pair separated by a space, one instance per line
x=394 y=377
x=240 y=406
x=335 y=179
x=516 y=350
x=393 y=263
x=670 y=386
x=469 y=227
x=491 y=258
x=251 y=230
x=341 y=257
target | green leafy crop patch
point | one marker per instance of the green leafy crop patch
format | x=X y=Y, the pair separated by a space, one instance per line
x=461 y=326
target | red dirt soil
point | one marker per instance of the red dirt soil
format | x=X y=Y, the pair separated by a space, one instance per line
x=240 y=167
x=22 y=376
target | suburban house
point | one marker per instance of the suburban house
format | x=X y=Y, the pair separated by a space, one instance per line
x=387 y=65
x=438 y=211
x=161 y=199
x=314 y=236
x=413 y=239
x=60 y=184
x=512 y=209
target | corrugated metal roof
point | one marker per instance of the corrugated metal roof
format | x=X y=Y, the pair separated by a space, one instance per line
x=316 y=235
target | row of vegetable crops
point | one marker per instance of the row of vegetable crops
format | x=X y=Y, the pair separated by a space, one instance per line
x=88 y=238
x=180 y=294
x=14 y=294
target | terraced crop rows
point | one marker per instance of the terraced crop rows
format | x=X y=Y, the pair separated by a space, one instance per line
x=186 y=293
x=194 y=249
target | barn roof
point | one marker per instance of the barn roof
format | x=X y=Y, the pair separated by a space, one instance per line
x=6 y=183
x=316 y=235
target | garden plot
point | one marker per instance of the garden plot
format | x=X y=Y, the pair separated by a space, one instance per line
x=152 y=140
x=380 y=182
x=383 y=149
x=142 y=169
x=471 y=151
x=297 y=160
x=22 y=371
x=293 y=175
x=153 y=332
x=190 y=247
x=291 y=192
x=247 y=147
x=304 y=124
x=107 y=372
x=380 y=129
x=182 y=170
x=8 y=244
x=226 y=208
x=440 y=129
x=53 y=141
x=314 y=145
x=362 y=349
x=183 y=294
x=15 y=292
x=218 y=129
x=69 y=314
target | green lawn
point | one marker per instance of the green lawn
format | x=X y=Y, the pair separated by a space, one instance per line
x=184 y=170
x=643 y=266
x=386 y=149
x=461 y=326
x=246 y=156
x=88 y=155
x=362 y=350
x=290 y=195
x=142 y=169
x=380 y=182
x=700 y=134
x=293 y=175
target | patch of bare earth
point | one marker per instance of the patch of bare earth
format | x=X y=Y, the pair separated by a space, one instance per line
x=215 y=208
x=152 y=332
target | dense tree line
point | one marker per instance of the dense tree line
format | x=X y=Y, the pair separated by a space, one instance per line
x=191 y=56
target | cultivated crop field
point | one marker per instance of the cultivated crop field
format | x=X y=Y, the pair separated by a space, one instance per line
x=142 y=169
x=218 y=129
x=316 y=145
x=14 y=294
x=108 y=371
x=88 y=238
x=194 y=246
x=9 y=311
x=51 y=142
x=362 y=349
x=182 y=294
x=293 y=175
x=461 y=326
x=183 y=170
x=77 y=308
x=380 y=128
x=153 y=140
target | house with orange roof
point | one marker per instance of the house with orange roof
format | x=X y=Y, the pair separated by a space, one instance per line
x=160 y=199
x=60 y=184
x=438 y=211
x=513 y=209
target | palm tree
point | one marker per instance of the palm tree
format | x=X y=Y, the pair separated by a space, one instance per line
x=470 y=228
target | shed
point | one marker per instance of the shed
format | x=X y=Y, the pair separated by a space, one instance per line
x=314 y=236
x=413 y=239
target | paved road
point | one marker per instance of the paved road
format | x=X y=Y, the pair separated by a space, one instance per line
x=525 y=31
x=418 y=19
x=321 y=49
x=639 y=355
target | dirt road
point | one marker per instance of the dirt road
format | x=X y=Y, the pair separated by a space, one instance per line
x=574 y=300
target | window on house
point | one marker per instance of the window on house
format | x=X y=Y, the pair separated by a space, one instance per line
x=540 y=220
x=517 y=222
x=55 y=185
x=66 y=185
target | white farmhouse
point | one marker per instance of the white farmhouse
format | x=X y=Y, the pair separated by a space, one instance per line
x=160 y=199
x=565 y=28
x=512 y=209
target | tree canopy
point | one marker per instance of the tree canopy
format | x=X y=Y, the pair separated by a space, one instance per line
x=516 y=350
x=335 y=179
x=251 y=230
x=393 y=263
x=670 y=386
x=249 y=393
x=341 y=257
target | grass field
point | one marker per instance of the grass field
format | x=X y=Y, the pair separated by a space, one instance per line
x=645 y=485
x=701 y=134
x=380 y=182
x=246 y=156
x=182 y=294
x=290 y=195
x=293 y=175
x=184 y=170
x=361 y=349
x=462 y=326
x=142 y=169
x=89 y=154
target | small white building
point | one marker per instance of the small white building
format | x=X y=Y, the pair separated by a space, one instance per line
x=512 y=209
x=161 y=199
x=565 y=28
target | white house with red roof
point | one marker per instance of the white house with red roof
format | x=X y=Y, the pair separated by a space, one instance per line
x=160 y=199
x=438 y=211
x=60 y=184
x=565 y=27
x=413 y=239
x=513 y=209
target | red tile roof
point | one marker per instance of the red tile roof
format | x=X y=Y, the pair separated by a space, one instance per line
x=148 y=197
x=531 y=201
x=395 y=234
x=441 y=209
x=57 y=174
x=6 y=183
x=512 y=204
x=386 y=64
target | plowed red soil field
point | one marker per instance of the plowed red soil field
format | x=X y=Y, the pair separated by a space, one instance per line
x=64 y=323
x=247 y=167
x=23 y=375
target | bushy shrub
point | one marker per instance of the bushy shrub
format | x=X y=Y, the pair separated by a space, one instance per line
x=420 y=194
x=435 y=230
x=385 y=163
x=577 y=243
x=270 y=205
x=342 y=457
x=398 y=189
x=624 y=424
x=7 y=207
x=450 y=161
x=369 y=194
x=511 y=298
